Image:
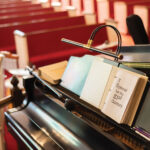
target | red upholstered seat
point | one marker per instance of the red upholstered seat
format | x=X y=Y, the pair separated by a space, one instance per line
x=50 y=40
x=45 y=46
x=25 y=11
x=54 y=57
x=11 y=49
x=6 y=30
x=14 y=2
x=10 y=4
x=18 y=7
x=32 y=16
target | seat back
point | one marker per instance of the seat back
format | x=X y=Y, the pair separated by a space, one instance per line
x=137 y=30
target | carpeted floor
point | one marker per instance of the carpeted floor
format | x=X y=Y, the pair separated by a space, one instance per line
x=11 y=143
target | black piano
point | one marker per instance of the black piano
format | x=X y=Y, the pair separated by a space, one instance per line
x=54 y=118
x=45 y=121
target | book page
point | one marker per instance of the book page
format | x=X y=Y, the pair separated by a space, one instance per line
x=69 y=73
x=120 y=94
x=137 y=97
x=76 y=72
x=96 y=82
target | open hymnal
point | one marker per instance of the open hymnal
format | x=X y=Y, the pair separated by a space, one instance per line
x=115 y=91
x=53 y=72
x=109 y=86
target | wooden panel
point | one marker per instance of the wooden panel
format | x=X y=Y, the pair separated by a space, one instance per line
x=144 y=13
x=77 y=5
x=45 y=46
x=120 y=15
x=88 y=6
x=123 y=9
x=64 y=4
x=112 y=37
x=102 y=10
x=6 y=30
x=22 y=50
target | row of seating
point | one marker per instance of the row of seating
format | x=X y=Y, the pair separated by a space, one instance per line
x=37 y=18
x=24 y=11
x=124 y=9
x=38 y=35
x=115 y=9
x=13 y=3
x=6 y=30
x=119 y=10
x=44 y=46
x=32 y=16
x=27 y=6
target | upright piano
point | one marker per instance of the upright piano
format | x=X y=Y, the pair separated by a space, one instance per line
x=45 y=121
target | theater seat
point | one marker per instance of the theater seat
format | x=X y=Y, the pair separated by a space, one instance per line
x=137 y=30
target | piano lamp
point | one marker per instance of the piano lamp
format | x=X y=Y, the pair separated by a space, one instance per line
x=90 y=41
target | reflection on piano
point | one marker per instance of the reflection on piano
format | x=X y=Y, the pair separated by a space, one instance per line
x=44 y=121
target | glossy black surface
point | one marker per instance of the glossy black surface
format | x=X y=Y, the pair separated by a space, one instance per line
x=44 y=124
